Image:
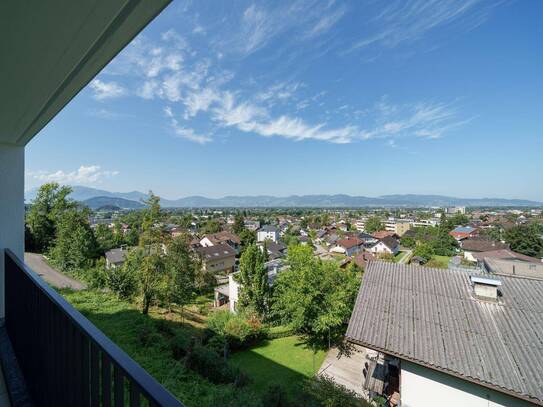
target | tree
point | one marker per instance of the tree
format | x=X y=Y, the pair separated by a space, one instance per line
x=211 y=226
x=44 y=214
x=151 y=277
x=180 y=276
x=152 y=234
x=75 y=245
x=525 y=239
x=123 y=280
x=247 y=238
x=373 y=224
x=424 y=250
x=239 y=224
x=253 y=279
x=315 y=297
x=104 y=238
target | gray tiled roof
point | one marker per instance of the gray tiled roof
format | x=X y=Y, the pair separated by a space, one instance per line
x=429 y=316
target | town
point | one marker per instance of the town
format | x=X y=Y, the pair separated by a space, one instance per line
x=243 y=276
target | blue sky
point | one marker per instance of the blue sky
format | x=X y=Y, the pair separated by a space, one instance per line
x=308 y=97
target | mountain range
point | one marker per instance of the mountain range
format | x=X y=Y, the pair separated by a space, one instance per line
x=96 y=198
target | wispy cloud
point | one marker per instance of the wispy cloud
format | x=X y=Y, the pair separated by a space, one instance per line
x=184 y=132
x=401 y=22
x=106 y=90
x=326 y=22
x=84 y=175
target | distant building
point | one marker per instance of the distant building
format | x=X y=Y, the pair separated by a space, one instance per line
x=398 y=226
x=463 y=232
x=348 y=246
x=388 y=245
x=276 y=250
x=252 y=225
x=116 y=257
x=223 y=237
x=457 y=210
x=360 y=224
x=267 y=233
x=480 y=244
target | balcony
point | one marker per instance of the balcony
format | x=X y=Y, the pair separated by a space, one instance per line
x=53 y=356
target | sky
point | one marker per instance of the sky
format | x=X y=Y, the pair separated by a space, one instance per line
x=312 y=97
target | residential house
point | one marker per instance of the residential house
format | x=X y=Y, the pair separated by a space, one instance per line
x=504 y=254
x=449 y=338
x=463 y=232
x=514 y=267
x=360 y=259
x=252 y=225
x=267 y=232
x=348 y=247
x=480 y=244
x=223 y=237
x=387 y=245
x=220 y=258
x=381 y=234
x=398 y=226
x=116 y=257
x=366 y=238
x=276 y=250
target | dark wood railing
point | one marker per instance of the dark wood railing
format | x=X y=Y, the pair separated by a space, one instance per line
x=64 y=358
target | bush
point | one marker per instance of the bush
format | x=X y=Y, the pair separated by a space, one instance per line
x=275 y=396
x=179 y=346
x=208 y=364
x=238 y=330
x=147 y=335
x=280 y=331
x=328 y=393
x=122 y=282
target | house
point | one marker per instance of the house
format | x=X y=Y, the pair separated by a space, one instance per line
x=348 y=247
x=463 y=232
x=397 y=226
x=115 y=257
x=505 y=254
x=51 y=354
x=513 y=267
x=366 y=238
x=448 y=338
x=223 y=237
x=388 y=245
x=275 y=250
x=359 y=259
x=252 y=225
x=267 y=233
x=480 y=244
x=381 y=234
x=229 y=293
x=220 y=258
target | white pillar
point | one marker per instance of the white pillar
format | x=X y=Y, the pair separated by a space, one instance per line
x=12 y=210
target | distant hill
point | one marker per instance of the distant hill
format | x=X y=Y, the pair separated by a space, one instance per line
x=133 y=200
x=106 y=202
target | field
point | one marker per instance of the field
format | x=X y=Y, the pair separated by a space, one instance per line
x=285 y=361
x=440 y=261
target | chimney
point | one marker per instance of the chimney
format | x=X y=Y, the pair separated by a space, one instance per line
x=485 y=288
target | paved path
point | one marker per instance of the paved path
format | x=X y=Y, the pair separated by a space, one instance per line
x=38 y=264
x=406 y=257
x=347 y=370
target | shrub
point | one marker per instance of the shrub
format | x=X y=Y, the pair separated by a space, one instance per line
x=179 y=346
x=328 y=393
x=280 y=331
x=239 y=330
x=275 y=396
x=122 y=282
x=147 y=335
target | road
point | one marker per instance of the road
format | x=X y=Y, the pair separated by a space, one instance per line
x=55 y=278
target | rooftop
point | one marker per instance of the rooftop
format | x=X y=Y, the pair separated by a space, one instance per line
x=430 y=316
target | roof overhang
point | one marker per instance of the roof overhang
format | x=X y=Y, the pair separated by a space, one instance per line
x=51 y=49
x=446 y=371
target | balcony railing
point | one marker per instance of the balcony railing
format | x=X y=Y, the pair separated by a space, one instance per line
x=64 y=359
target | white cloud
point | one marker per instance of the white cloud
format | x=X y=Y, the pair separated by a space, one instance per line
x=184 y=132
x=106 y=90
x=325 y=23
x=91 y=174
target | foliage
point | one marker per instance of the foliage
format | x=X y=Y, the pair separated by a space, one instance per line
x=387 y=257
x=44 y=215
x=525 y=239
x=328 y=393
x=253 y=280
x=211 y=226
x=74 y=246
x=180 y=276
x=314 y=297
x=123 y=280
x=424 y=250
x=373 y=224
x=239 y=224
x=238 y=330
x=409 y=242
x=458 y=219
x=151 y=279
x=105 y=238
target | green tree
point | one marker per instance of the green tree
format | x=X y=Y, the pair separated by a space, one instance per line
x=525 y=239
x=239 y=224
x=75 y=245
x=123 y=280
x=373 y=224
x=180 y=276
x=211 y=226
x=424 y=250
x=45 y=211
x=152 y=235
x=151 y=279
x=253 y=278
x=314 y=297
x=105 y=238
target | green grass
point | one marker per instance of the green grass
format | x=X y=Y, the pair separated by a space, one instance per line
x=399 y=256
x=440 y=261
x=285 y=361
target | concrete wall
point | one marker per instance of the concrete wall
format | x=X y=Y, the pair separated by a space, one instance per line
x=12 y=209
x=423 y=387
x=233 y=287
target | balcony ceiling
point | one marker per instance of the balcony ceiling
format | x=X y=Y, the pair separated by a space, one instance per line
x=49 y=50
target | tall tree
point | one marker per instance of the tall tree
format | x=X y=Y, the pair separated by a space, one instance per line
x=373 y=224
x=45 y=211
x=253 y=278
x=151 y=278
x=526 y=240
x=105 y=238
x=75 y=245
x=180 y=273
x=239 y=224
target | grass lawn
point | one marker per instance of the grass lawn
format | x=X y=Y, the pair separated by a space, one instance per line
x=285 y=361
x=400 y=256
x=441 y=261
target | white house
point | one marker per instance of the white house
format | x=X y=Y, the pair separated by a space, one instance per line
x=267 y=233
x=444 y=337
x=386 y=245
